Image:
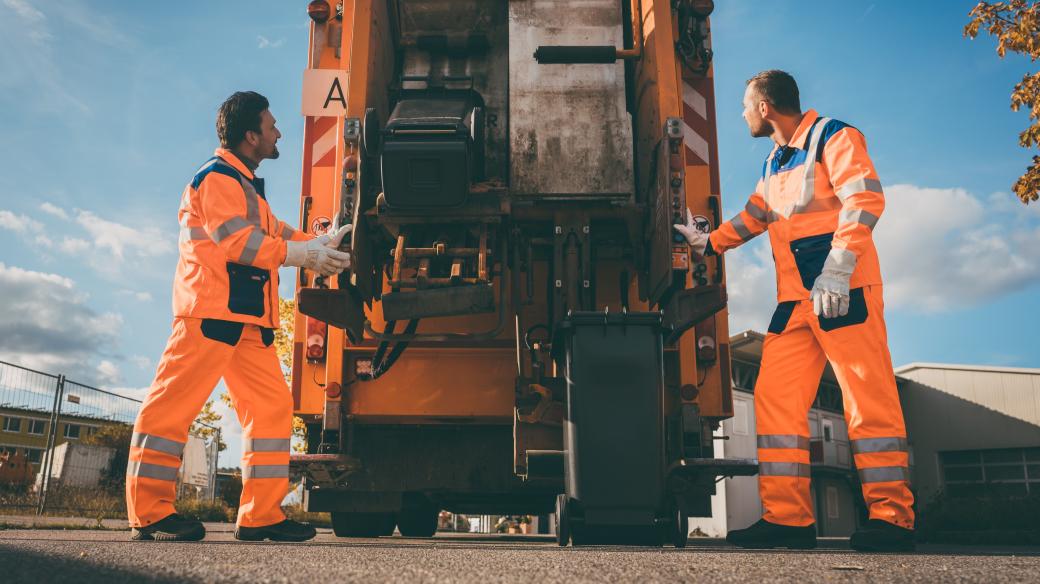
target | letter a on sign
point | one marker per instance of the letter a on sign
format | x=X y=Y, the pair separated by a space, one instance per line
x=324 y=92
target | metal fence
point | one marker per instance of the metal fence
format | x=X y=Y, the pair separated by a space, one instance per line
x=64 y=446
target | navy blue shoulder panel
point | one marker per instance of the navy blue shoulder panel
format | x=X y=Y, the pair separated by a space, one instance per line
x=832 y=128
x=223 y=169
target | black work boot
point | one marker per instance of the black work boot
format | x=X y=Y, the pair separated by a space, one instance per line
x=170 y=528
x=765 y=535
x=881 y=536
x=287 y=530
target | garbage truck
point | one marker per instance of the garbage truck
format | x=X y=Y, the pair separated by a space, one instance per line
x=520 y=332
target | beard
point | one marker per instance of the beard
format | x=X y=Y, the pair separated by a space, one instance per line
x=274 y=152
x=763 y=130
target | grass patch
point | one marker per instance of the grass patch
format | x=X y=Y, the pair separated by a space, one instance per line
x=206 y=510
x=317 y=519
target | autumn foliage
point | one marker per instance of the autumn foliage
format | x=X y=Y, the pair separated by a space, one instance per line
x=1016 y=26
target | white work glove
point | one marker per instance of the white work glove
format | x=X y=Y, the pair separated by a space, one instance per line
x=830 y=291
x=697 y=239
x=319 y=254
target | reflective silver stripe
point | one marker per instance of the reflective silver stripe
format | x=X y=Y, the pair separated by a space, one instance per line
x=783 y=441
x=287 y=232
x=266 y=471
x=869 y=185
x=809 y=176
x=267 y=445
x=867 y=445
x=256 y=238
x=742 y=230
x=815 y=205
x=229 y=227
x=755 y=211
x=784 y=469
x=136 y=468
x=884 y=474
x=252 y=202
x=858 y=216
x=156 y=443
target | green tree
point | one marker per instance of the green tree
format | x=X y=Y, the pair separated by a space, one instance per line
x=205 y=425
x=1016 y=26
x=117 y=437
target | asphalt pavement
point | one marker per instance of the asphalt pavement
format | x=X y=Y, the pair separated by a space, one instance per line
x=84 y=556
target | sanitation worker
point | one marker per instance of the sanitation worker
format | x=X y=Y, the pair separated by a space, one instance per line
x=225 y=307
x=819 y=198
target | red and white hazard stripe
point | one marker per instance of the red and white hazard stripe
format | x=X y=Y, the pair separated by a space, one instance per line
x=323 y=147
x=696 y=127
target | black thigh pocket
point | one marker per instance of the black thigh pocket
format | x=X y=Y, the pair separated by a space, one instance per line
x=857 y=313
x=781 y=316
x=267 y=336
x=224 y=331
x=246 y=289
x=809 y=255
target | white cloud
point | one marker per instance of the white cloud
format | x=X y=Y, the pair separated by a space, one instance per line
x=45 y=324
x=108 y=372
x=940 y=249
x=944 y=248
x=140 y=296
x=142 y=362
x=265 y=43
x=73 y=245
x=19 y=223
x=54 y=210
x=123 y=241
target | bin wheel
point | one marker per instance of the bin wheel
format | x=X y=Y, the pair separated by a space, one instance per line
x=418 y=521
x=563 y=521
x=362 y=524
x=370 y=136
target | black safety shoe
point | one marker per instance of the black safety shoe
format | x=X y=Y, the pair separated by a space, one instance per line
x=170 y=528
x=287 y=530
x=764 y=535
x=882 y=536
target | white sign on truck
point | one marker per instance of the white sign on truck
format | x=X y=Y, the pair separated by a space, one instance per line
x=325 y=92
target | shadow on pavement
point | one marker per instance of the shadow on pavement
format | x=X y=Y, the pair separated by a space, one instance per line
x=20 y=565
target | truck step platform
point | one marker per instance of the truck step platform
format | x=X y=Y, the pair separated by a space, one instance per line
x=323 y=470
x=720 y=467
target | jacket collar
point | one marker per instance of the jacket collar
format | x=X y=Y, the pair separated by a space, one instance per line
x=801 y=134
x=234 y=161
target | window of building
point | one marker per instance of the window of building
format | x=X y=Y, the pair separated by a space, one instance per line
x=1002 y=472
x=37 y=427
x=833 y=508
x=12 y=424
x=828 y=430
x=72 y=431
x=744 y=375
x=35 y=455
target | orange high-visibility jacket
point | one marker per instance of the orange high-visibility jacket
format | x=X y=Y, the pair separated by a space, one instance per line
x=231 y=246
x=819 y=197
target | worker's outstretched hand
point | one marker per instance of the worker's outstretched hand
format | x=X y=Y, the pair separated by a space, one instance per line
x=830 y=295
x=320 y=254
x=697 y=239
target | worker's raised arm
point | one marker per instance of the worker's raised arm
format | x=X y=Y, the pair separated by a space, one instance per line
x=856 y=184
x=231 y=217
x=290 y=233
x=744 y=226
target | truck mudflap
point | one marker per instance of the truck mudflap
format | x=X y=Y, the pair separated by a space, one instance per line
x=324 y=471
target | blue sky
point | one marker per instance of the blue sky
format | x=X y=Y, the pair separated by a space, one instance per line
x=108 y=107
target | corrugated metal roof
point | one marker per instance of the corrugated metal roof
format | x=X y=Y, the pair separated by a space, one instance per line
x=953 y=366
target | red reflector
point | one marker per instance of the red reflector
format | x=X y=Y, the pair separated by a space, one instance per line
x=333 y=390
x=319 y=11
x=689 y=392
x=350 y=163
x=317 y=332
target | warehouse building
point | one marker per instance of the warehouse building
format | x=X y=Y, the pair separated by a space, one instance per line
x=972 y=430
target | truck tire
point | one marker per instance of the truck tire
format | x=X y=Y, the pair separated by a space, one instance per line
x=418 y=522
x=351 y=524
x=563 y=521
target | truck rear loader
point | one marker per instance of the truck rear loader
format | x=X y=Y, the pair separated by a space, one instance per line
x=520 y=332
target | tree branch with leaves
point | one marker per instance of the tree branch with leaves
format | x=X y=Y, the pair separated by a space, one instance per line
x=1016 y=26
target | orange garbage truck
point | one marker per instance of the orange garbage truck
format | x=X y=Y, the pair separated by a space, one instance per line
x=520 y=331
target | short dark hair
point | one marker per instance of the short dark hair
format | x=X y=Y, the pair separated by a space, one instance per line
x=778 y=89
x=239 y=114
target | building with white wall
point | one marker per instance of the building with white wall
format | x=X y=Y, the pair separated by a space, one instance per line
x=972 y=430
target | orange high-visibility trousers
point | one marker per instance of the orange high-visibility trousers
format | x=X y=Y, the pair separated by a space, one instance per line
x=198 y=353
x=795 y=352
